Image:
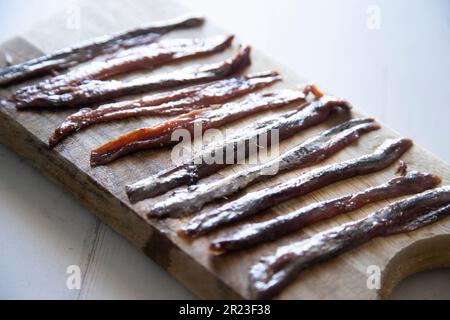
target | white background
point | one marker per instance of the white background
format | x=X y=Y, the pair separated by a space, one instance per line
x=398 y=73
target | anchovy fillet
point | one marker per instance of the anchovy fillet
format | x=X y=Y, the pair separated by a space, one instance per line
x=148 y=57
x=167 y=103
x=95 y=91
x=255 y=202
x=88 y=50
x=273 y=273
x=305 y=154
x=189 y=172
x=252 y=234
x=213 y=117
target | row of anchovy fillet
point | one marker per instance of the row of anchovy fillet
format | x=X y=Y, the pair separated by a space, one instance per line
x=206 y=97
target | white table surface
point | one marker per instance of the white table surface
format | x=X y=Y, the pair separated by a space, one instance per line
x=399 y=73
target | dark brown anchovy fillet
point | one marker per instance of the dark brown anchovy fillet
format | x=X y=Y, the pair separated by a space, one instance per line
x=189 y=172
x=94 y=91
x=167 y=103
x=255 y=202
x=88 y=50
x=203 y=119
x=308 y=153
x=149 y=56
x=255 y=233
x=274 y=273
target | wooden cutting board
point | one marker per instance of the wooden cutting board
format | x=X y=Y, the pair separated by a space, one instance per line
x=102 y=189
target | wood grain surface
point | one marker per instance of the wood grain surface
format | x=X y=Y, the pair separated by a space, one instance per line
x=102 y=189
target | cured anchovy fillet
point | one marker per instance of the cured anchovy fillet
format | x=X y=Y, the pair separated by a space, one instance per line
x=94 y=91
x=255 y=233
x=255 y=202
x=308 y=153
x=167 y=103
x=189 y=172
x=203 y=119
x=88 y=50
x=274 y=273
x=150 y=56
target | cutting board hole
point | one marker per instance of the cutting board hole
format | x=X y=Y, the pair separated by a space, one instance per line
x=423 y=255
